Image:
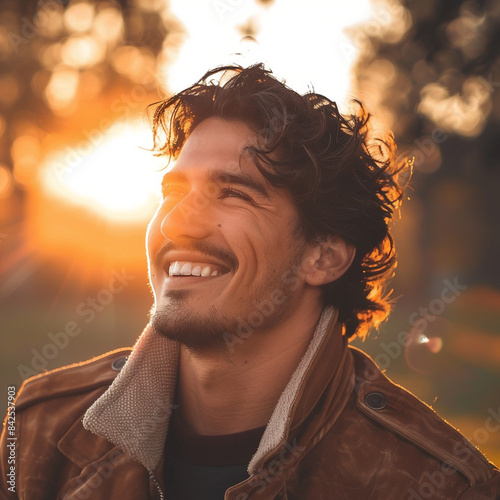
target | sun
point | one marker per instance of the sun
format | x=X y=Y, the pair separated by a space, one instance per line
x=116 y=176
x=94 y=199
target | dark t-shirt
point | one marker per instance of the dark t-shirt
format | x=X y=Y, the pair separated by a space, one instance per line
x=201 y=467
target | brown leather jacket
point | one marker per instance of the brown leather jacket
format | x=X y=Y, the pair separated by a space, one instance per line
x=350 y=434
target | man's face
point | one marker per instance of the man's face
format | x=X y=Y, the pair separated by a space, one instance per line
x=221 y=242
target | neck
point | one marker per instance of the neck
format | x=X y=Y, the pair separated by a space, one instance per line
x=225 y=394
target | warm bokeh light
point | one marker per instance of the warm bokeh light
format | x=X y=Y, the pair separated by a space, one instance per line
x=133 y=62
x=50 y=19
x=6 y=181
x=82 y=51
x=62 y=89
x=463 y=113
x=25 y=154
x=112 y=175
x=79 y=16
x=150 y=5
x=9 y=90
x=467 y=32
x=108 y=25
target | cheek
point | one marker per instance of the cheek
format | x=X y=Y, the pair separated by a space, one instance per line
x=153 y=246
x=153 y=238
x=259 y=251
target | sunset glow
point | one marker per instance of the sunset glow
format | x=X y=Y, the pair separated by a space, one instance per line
x=116 y=178
x=278 y=34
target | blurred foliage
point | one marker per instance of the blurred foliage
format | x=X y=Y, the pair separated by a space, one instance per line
x=438 y=87
x=58 y=58
x=450 y=57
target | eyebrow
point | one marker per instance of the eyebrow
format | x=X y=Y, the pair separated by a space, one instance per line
x=225 y=177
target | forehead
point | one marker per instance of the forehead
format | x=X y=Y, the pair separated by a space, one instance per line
x=217 y=144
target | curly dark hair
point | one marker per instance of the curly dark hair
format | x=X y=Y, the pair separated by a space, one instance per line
x=343 y=182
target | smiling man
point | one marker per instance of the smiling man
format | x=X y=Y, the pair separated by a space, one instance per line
x=269 y=250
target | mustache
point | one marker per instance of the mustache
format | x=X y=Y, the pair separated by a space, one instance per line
x=208 y=249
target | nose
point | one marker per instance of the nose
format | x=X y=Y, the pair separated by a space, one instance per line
x=189 y=217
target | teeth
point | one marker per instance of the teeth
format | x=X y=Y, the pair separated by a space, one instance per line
x=188 y=269
x=175 y=269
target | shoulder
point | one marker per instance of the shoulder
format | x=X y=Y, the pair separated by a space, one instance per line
x=416 y=424
x=51 y=442
x=77 y=379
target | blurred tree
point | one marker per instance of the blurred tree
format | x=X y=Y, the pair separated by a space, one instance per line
x=440 y=83
x=57 y=57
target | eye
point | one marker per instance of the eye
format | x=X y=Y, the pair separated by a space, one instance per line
x=229 y=192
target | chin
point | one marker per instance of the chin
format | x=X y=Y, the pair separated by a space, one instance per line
x=197 y=331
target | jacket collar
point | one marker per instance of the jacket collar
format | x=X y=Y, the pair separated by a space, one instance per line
x=132 y=416
x=300 y=395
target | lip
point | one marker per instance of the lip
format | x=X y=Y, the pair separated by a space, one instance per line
x=186 y=282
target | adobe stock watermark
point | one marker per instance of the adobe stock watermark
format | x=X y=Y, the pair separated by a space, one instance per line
x=488 y=83
x=29 y=27
x=224 y=7
x=436 y=481
x=427 y=146
x=96 y=475
x=275 y=127
x=199 y=200
x=11 y=439
x=273 y=469
x=375 y=27
x=491 y=425
x=195 y=202
x=121 y=106
x=157 y=418
x=102 y=470
x=263 y=309
x=88 y=310
x=418 y=320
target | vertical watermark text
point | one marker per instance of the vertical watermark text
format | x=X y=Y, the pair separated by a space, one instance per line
x=11 y=439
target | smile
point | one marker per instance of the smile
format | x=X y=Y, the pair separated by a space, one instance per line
x=184 y=268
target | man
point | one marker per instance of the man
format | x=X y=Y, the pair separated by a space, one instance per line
x=270 y=250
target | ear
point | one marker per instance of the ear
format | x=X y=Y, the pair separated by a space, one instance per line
x=327 y=261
